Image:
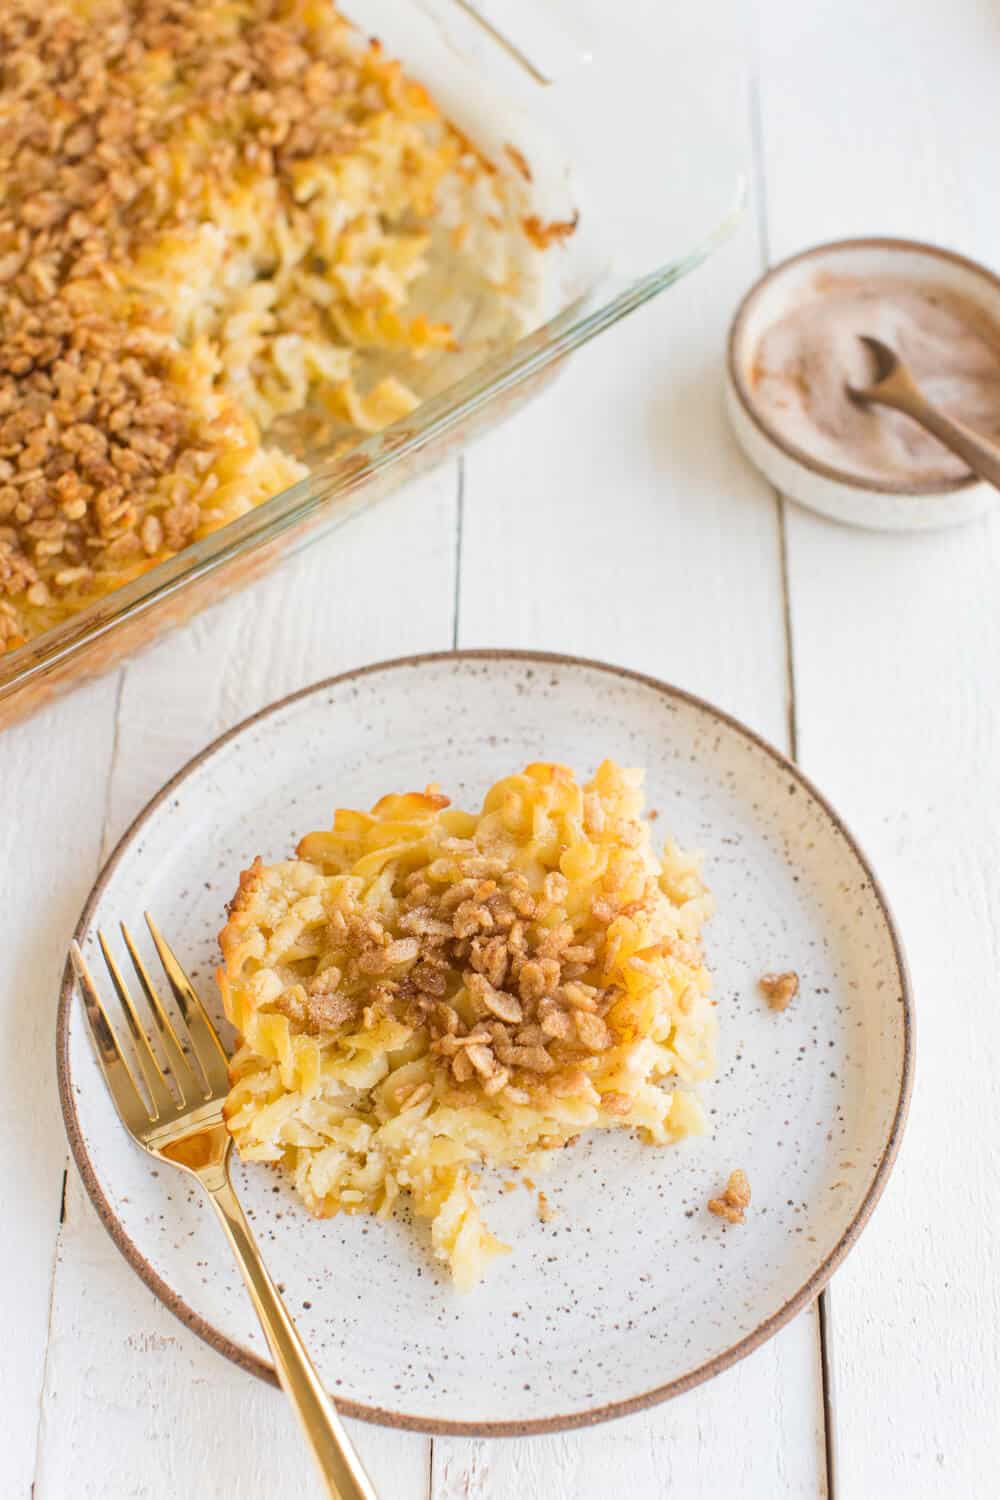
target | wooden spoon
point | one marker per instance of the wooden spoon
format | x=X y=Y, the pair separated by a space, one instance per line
x=894 y=386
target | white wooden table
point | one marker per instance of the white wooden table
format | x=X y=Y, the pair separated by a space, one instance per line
x=873 y=658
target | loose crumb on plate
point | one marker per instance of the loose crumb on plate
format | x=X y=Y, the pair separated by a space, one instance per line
x=545 y=1210
x=736 y=1198
x=779 y=990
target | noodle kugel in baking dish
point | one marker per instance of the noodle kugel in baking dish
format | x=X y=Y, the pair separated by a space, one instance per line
x=213 y=215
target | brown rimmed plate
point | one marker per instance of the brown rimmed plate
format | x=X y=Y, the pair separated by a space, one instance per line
x=632 y=1292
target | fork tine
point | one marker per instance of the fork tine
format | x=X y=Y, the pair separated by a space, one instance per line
x=162 y=1099
x=204 y=1038
x=183 y=1074
x=122 y=1086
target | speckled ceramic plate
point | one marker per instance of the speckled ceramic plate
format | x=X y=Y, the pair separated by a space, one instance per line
x=633 y=1291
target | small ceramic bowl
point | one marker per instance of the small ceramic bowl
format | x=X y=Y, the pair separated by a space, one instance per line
x=878 y=505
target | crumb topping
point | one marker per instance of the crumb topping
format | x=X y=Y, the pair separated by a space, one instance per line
x=779 y=990
x=733 y=1202
x=533 y=1008
x=114 y=128
x=206 y=206
x=543 y=235
x=422 y=989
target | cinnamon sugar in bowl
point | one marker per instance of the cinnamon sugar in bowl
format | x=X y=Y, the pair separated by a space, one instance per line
x=793 y=344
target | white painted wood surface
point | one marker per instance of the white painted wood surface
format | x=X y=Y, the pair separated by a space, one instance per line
x=896 y=645
x=615 y=519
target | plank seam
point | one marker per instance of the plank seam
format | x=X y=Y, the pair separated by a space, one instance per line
x=792 y=720
x=43 y=1386
x=824 y=1317
x=113 y=766
x=759 y=170
x=105 y=824
x=823 y=1308
x=459 y=528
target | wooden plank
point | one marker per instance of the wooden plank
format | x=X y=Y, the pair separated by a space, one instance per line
x=53 y=777
x=754 y=1431
x=883 y=121
x=173 y=1417
x=384 y=586
x=620 y=522
x=136 y=1405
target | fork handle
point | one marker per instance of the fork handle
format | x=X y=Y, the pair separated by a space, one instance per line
x=340 y=1466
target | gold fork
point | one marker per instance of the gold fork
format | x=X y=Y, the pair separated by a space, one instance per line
x=182 y=1124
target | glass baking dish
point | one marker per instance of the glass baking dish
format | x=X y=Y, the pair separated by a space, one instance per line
x=600 y=114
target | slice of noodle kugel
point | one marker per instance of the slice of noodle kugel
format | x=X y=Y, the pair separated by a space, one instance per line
x=424 y=990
